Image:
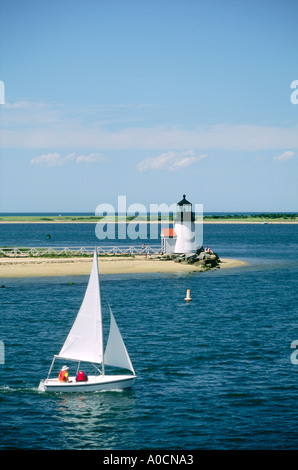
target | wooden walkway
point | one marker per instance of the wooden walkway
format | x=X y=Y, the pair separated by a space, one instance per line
x=14 y=252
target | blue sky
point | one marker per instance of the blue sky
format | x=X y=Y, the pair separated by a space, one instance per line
x=151 y=100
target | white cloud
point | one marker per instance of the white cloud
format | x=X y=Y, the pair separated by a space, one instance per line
x=50 y=159
x=170 y=161
x=218 y=137
x=92 y=158
x=284 y=156
x=29 y=125
x=55 y=159
x=28 y=105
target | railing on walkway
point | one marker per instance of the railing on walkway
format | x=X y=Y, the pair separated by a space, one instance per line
x=14 y=252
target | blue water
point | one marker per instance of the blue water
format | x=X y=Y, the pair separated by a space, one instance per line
x=212 y=374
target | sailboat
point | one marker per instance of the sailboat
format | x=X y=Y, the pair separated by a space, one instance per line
x=85 y=343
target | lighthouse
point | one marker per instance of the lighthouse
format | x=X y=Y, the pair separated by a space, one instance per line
x=185 y=227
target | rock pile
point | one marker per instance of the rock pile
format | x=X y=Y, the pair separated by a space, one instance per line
x=200 y=258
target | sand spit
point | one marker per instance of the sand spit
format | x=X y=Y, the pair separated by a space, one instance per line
x=32 y=267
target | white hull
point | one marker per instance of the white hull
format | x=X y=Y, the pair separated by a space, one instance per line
x=95 y=383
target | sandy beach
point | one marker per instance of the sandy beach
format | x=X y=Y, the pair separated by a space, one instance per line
x=32 y=267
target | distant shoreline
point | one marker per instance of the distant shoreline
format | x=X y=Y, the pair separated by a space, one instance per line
x=205 y=222
x=291 y=219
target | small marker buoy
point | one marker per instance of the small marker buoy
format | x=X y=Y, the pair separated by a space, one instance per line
x=188 y=297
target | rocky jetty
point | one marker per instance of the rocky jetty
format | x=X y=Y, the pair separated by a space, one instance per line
x=200 y=258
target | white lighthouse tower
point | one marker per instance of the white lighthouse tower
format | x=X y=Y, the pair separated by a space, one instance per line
x=185 y=228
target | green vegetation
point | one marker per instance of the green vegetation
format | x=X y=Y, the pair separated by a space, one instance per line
x=266 y=217
x=82 y=218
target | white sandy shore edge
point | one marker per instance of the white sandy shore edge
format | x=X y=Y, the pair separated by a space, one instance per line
x=39 y=267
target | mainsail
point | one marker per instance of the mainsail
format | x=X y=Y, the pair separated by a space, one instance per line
x=84 y=341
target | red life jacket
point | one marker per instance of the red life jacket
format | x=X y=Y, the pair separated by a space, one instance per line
x=63 y=376
x=81 y=377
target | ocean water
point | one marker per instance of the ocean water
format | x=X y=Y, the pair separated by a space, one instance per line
x=216 y=373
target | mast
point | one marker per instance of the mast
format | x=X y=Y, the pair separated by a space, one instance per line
x=102 y=345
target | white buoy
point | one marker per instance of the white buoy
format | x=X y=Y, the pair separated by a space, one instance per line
x=188 y=297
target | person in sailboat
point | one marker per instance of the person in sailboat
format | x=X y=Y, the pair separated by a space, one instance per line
x=63 y=375
x=81 y=376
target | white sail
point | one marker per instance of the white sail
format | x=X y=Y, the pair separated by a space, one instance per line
x=116 y=354
x=85 y=341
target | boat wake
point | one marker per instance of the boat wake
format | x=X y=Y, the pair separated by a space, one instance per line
x=7 y=389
